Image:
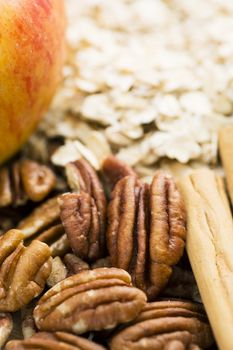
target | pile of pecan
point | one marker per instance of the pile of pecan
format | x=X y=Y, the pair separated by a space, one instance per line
x=92 y=265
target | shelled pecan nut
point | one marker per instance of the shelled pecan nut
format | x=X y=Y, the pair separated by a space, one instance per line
x=44 y=224
x=146 y=230
x=58 y=273
x=84 y=180
x=182 y=284
x=6 y=326
x=23 y=270
x=114 y=170
x=90 y=300
x=166 y=325
x=74 y=264
x=27 y=321
x=23 y=180
x=51 y=341
x=81 y=220
x=104 y=262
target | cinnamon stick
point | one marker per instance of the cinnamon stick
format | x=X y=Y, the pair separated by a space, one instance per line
x=210 y=248
x=226 y=154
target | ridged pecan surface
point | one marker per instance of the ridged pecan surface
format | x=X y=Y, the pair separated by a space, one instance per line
x=23 y=180
x=52 y=341
x=166 y=325
x=23 y=270
x=83 y=213
x=146 y=230
x=90 y=300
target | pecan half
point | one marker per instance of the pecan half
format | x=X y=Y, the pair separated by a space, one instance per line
x=166 y=325
x=6 y=326
x=146 y=230
x=182 y=284
x=23 y=180
x=23 y=270
x=114 y=170
x=81 y=220
x=58 y=273
x=27 y=321
x=51 y=341
x=44 y=224
x=84 y=180
x=104 y=262
x=90 y=300
x=74 y=264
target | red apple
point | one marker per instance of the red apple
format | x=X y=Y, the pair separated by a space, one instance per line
x=32 y=46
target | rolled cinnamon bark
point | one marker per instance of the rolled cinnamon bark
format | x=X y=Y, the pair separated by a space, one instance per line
x=210 y=248
x=226 y=154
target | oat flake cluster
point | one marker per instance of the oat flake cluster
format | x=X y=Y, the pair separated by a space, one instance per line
x=144 y=79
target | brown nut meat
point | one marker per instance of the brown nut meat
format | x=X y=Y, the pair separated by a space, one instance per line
x=51 y=341
x=166 y=325
x=74 y=264
x=23 y=270
x=82 y=223
x=23 y=180
x=6 y=326
x=44 y=224
x=114 y=170
x=84 y=180
x=89 y=301
x=146 y=230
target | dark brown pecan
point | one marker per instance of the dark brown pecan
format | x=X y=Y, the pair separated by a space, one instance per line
x=166 y=325
x=82 y=178
x=81 y=220
x=23 y=180
x=89 y=301
x=182 y=284
x=6 y=326
x=114 y=170
x=104 y=262
x=121 y=219
x=51 y=341
x=167 y=228
x=146 y=230
x=44 y=224
x=74 y=264
x=23 y=270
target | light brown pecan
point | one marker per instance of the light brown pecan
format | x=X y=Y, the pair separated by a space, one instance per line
x=44 y=224
x=27 y=321
x=166 y=325
x=74 y=264
x=6 y=326
x=89 y=301
x=81 y=220
x=52 y=341
x=23 y=270
x=146 y=230
x=114 y=170
x=23 y=180
x=58 y=273
x=84 y=180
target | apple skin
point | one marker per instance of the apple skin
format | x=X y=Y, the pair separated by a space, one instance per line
x=32 y=50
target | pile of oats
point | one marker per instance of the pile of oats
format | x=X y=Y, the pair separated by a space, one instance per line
x=145 y=79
